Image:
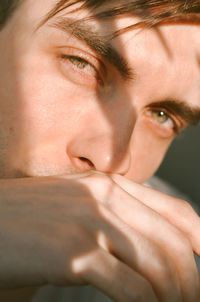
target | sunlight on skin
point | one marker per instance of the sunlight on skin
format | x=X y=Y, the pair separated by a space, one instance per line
x=102 y=241
x=59 y=118
x=79 y=264
x=111 y=124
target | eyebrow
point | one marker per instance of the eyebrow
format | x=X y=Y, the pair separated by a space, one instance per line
x=190 y=114
x=97 y=42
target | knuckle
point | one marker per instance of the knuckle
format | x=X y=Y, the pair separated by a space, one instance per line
x=100 y=185
x=183 y=245
x=105 y=183
x=101 y=179
x=71 y=260
x=186 y=207
x=184 y=210
x=164 y=277
x=163 y=267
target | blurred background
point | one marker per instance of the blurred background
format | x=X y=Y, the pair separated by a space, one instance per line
x=181 y=167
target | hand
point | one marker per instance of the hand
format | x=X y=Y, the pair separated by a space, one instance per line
x=168 y=222
x=82 y=230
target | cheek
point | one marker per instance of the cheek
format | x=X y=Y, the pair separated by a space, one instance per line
x=147 y=152
x=45 y=101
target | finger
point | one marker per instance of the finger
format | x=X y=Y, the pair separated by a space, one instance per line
x=113 y=277
x=141 y=254
x=165 y=235
x=178 y=212
x=155 y=227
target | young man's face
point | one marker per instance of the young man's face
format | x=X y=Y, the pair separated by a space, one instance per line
x=64 y=108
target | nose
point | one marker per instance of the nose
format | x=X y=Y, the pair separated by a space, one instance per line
x=103 y=153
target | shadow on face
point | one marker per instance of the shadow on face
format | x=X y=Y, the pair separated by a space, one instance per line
x=72 y=101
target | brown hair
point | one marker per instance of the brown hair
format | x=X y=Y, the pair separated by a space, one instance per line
x=7 y=7
x=151 y=11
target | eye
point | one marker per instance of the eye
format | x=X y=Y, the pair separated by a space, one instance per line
x=163 y=122
x=81 y=68
x=78 y=62
x=162 y=118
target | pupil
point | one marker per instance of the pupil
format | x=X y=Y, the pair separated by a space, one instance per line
x=161 y=113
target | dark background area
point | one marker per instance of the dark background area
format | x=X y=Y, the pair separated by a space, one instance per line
x=181 y=167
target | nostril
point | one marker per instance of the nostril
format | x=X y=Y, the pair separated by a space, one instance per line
x=87 y=161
